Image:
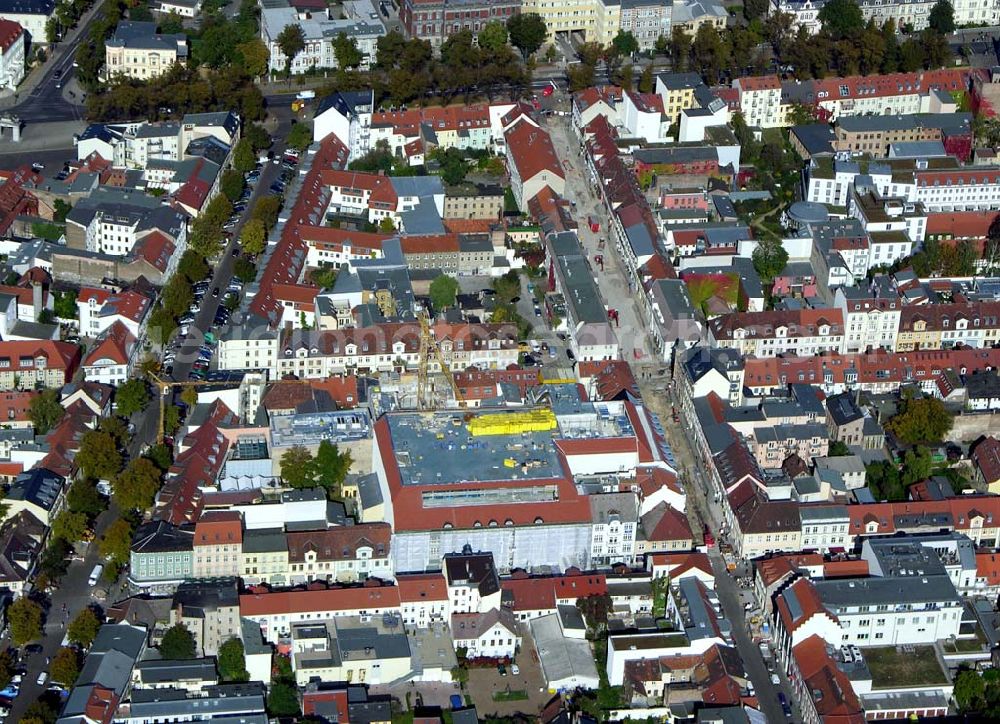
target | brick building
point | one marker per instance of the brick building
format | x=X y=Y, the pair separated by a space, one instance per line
x=435 y=20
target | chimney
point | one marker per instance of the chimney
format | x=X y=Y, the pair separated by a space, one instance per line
x=36 y=299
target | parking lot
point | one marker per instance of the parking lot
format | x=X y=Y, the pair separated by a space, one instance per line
x=485 y=682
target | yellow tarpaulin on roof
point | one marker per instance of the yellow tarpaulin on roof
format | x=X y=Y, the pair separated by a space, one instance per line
x=513 y=423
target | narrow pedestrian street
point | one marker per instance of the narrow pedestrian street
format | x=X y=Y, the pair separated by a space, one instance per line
x=656 y=385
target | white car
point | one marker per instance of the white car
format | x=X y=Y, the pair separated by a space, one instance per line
x=775 y=680
x=42 y=678
x=515 y=669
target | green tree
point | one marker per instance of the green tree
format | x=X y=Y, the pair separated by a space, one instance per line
x=647 y=82
x=386 y=225
x=454 y=167
x=680 y=48
x=177 y=643
x=443 y=291
x=192 y=266
x=838 y=448
x=65 y=304
x=624 y=44
x=136 y=486
x=331 y=467
x=883 y=481
x=45 y=411
x=69 y=526
x=84 y=498
x=841 y=18
x=131 y=397
x=116 y=543
x=65 y=666
x=769 y=258
x=24 y=617
x=82 y=630
x=346 y=52
x=970 y=691
x=244 y=269
x=254 y=56
x=160 y=456
x=527 y=32
x=507 y=287
x=942 y=18
x=493 y=37
x=917 y=464
x=189 y=396
x=300 y=137
x=253 y=237
x=297 y=468
x=266 y=209
x=460 y=675
x=753 y=9
x=232 y=184
x=98 y=456
x=60 y=210
x=51 y=30
x=291 y=41
x=920 y=419
x=283 y=700
x=232 y=662
x=244 y=158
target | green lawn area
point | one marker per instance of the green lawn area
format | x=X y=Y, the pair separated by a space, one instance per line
x=703 y=287
x=515 y=695
x=892 y=668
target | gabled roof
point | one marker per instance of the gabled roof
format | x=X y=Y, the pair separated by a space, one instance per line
x=532 y=151
x=115 y=345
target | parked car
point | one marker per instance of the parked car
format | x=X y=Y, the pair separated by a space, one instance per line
x=42 y=678
x=515 y=669
x=783 y=700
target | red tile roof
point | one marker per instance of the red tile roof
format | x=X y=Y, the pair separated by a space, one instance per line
x=9 y=33
x=809 y=605
x=759 y=83
x=986 y=456
x=532 y=151
x=891 y=84
x=155 y=248
x=115 y=344
x=831 y=691
x=219 y=527
x=872 y=368
x=356 y=598
x=15 y=406
x=543 y=593
x=58 y=355
x=960 y=224
x=340 y=543
x=418 y=587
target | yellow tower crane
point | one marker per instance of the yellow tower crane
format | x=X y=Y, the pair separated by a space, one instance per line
x=427 y=344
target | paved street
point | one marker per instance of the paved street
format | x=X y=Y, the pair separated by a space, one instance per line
x=223 y=271
x=622 y=296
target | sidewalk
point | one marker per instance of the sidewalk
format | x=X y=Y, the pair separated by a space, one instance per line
x=56 y=53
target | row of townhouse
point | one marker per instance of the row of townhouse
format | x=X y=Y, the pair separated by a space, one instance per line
x=911 y=14
x=768 y=102
x=859 y=323
x=381 y=347
x=217 y=545
x=940 y=184
x=353 y=118
x=761 y=526
x=875 y=372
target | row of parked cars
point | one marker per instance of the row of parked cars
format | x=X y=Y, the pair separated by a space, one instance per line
x=206 y=351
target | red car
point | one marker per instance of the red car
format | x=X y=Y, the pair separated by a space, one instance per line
x=548 y=90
